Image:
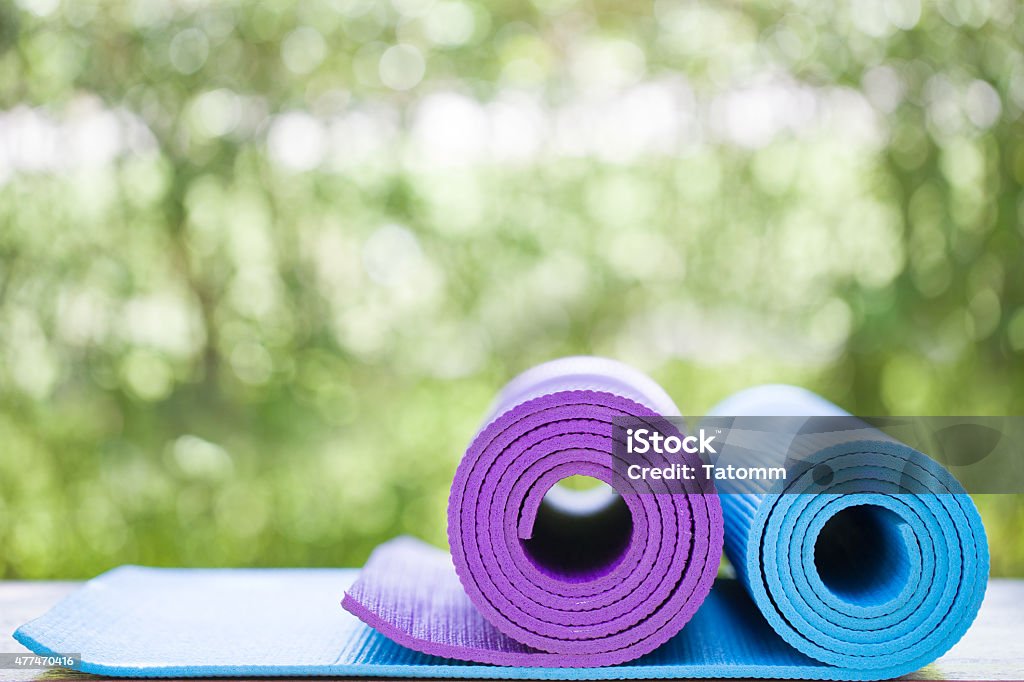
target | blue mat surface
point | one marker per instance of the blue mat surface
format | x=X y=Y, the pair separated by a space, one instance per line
x=152 y=622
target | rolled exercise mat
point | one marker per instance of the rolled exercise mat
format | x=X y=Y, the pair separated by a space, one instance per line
x=870 y=557
x=543 y=576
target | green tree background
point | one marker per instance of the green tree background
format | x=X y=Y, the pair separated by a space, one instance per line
x=264 y=265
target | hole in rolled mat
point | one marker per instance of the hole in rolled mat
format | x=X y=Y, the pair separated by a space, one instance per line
x=581 y=484
x=861 y=555
x=582 y=530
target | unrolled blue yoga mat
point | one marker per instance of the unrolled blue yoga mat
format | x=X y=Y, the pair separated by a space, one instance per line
x=790 y=613
x=153 y=622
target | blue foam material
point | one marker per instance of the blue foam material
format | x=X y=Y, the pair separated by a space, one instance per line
x=159 y=622
x=884 y=603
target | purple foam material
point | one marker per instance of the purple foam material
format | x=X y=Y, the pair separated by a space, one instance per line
x=509 y=598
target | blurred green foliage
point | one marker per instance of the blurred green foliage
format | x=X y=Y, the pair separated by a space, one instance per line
x=264 y=265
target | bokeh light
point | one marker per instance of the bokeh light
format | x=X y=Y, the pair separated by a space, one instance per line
x=264 y=265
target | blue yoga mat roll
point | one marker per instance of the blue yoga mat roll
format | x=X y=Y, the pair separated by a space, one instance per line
x=870 y=556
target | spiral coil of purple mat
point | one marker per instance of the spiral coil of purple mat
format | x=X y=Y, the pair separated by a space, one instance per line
x=549 y=577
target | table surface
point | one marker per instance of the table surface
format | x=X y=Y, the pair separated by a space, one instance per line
x=993 y=649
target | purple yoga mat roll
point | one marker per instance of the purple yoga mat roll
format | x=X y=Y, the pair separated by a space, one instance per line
x=548 y=576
